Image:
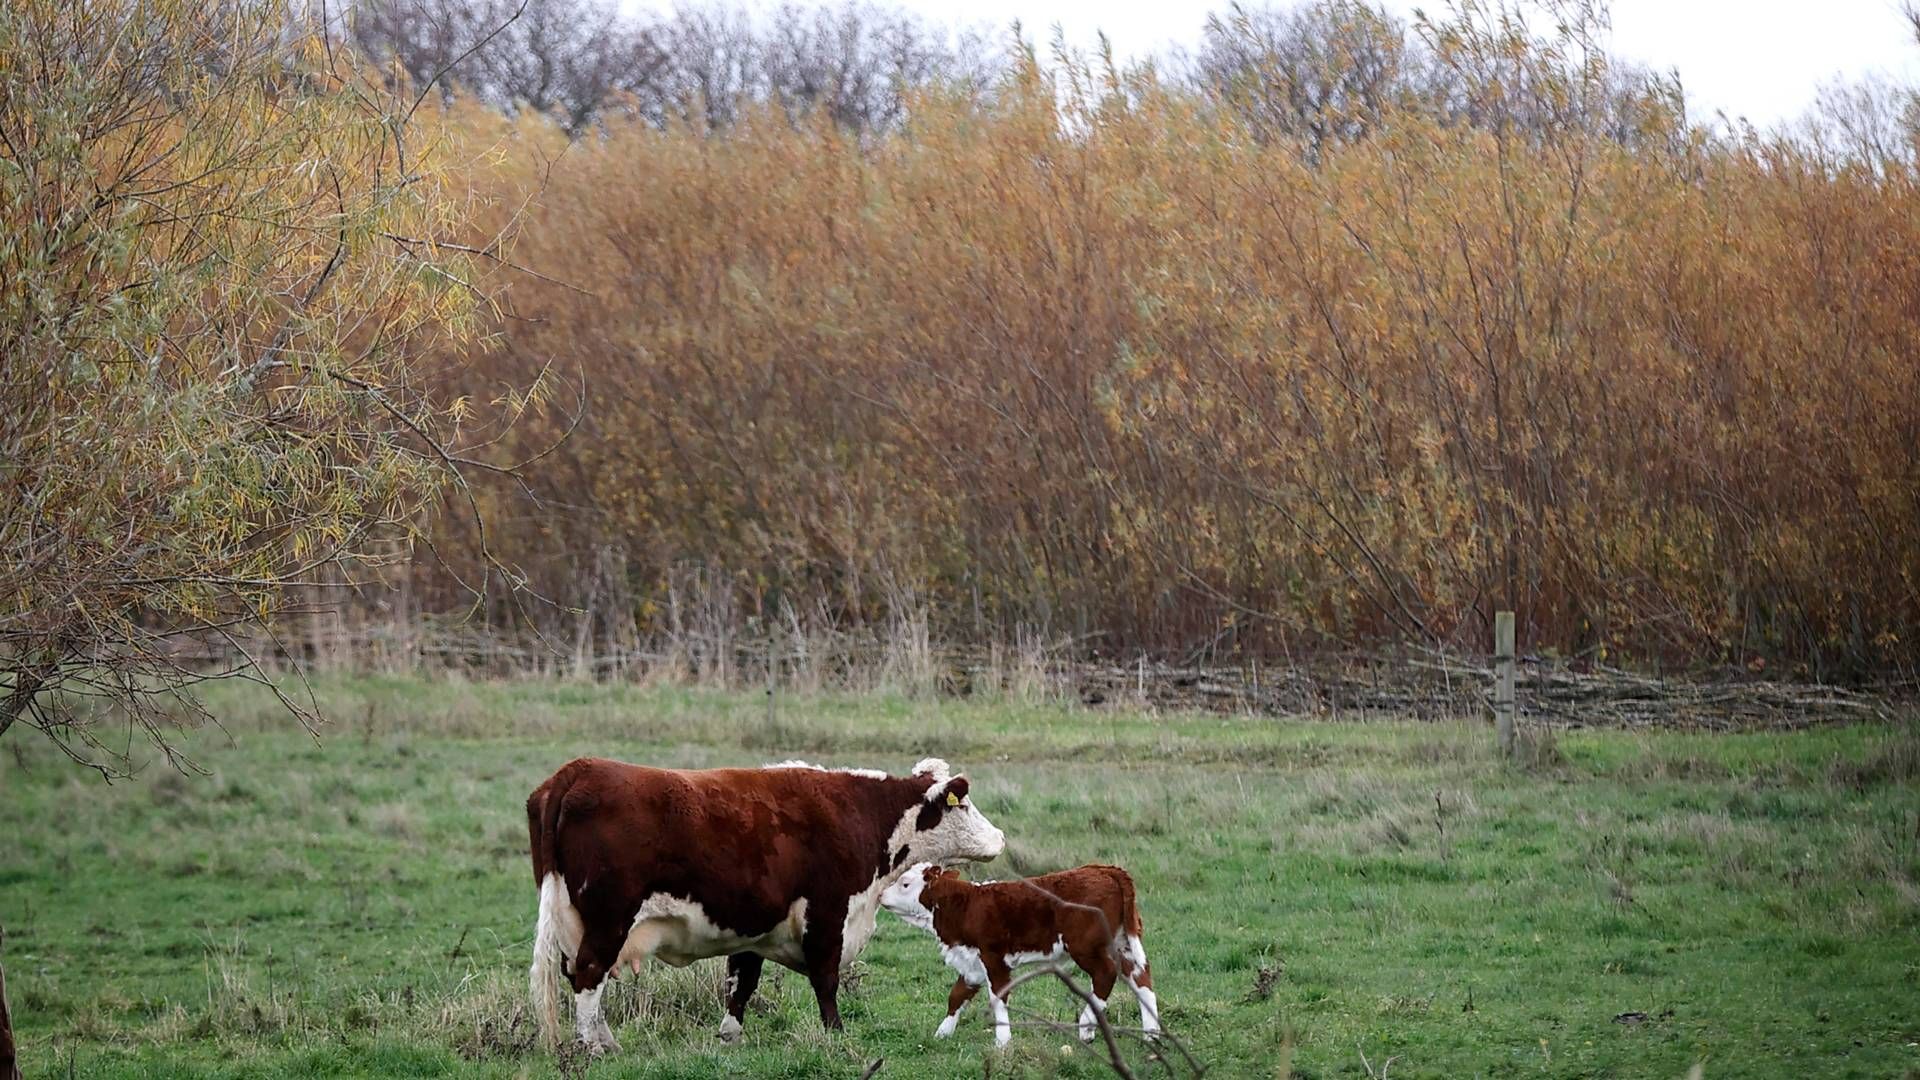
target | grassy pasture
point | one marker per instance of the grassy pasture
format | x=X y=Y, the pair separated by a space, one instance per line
x=1313 y=891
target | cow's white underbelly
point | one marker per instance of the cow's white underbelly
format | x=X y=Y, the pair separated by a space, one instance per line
x=679 y=932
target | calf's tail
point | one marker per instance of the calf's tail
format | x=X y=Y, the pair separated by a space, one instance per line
x=1133 y=953
x=1133 y=959
x=1129 y=907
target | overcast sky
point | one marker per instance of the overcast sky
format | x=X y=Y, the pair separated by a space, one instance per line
x=1762 y=59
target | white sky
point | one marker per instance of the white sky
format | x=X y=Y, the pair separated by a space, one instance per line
x=1762 y=59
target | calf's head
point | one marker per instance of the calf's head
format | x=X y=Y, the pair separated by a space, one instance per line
x=948 y=828
x=907 y=895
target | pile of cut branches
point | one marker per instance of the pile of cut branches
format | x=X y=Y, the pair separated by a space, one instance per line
x=1553 y=694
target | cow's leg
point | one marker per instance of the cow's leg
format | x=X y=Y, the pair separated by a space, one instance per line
x=820 y=947
x=590 y=972
x=999 y=980
x=743 y=977
x=591 y=1024
x=957 y=999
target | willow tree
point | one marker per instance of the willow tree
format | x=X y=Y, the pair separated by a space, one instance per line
x=223 y=248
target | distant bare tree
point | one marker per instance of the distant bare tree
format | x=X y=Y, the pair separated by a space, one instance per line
x=569 y=58
x=1540 y=71
x=713 y=64
x=575 y=59
x=1329 y=72
x=418 y=37
x=857 y=62
x=1873 y=121
x=564 y=58
x=1320 y=73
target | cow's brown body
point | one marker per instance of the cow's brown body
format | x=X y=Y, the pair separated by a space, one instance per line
x=782 y=863
x=1087 y=914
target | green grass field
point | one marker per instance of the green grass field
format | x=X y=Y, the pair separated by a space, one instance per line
x=1312 y=891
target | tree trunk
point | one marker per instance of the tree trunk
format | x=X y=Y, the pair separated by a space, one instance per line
x=9 y=1066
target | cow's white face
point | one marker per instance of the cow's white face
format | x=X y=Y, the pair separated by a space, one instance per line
x=950 y=829
x=903 y=897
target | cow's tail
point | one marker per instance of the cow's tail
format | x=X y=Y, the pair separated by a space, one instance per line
x=556 y=931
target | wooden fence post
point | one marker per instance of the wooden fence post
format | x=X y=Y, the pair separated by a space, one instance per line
x=1503 y=706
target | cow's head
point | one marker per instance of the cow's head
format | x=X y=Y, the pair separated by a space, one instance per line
x=906 y=897
x=948 y=828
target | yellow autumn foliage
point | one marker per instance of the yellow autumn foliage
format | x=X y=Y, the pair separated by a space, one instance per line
x=1092 y=352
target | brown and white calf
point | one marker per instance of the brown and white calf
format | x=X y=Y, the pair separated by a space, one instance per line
x=985 y=930
x=784 y=863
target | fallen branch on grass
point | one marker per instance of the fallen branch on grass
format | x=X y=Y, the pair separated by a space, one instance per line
x=1111 y=1035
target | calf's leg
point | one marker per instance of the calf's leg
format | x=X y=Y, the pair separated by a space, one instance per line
x=957 y=999
x=1102 y=973
x=998 y=980
x=743 y=977
x=1133 y=966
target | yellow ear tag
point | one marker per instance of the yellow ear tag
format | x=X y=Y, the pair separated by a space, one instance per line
x=952 y=799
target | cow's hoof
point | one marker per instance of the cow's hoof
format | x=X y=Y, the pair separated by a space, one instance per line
x=729 y=1030
x=602 y=1048
x=945 y=1030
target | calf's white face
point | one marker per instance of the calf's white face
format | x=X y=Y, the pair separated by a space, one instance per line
x=902 y=897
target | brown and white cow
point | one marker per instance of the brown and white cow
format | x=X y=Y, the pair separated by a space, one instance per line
x=987 y=929
x=783 y=863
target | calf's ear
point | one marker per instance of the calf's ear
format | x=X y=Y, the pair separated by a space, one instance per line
x=956 y=790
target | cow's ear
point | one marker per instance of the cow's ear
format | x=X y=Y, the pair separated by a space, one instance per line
x=956 y=790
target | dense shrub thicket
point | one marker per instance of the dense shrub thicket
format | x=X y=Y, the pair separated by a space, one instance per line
x=1346 y=332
